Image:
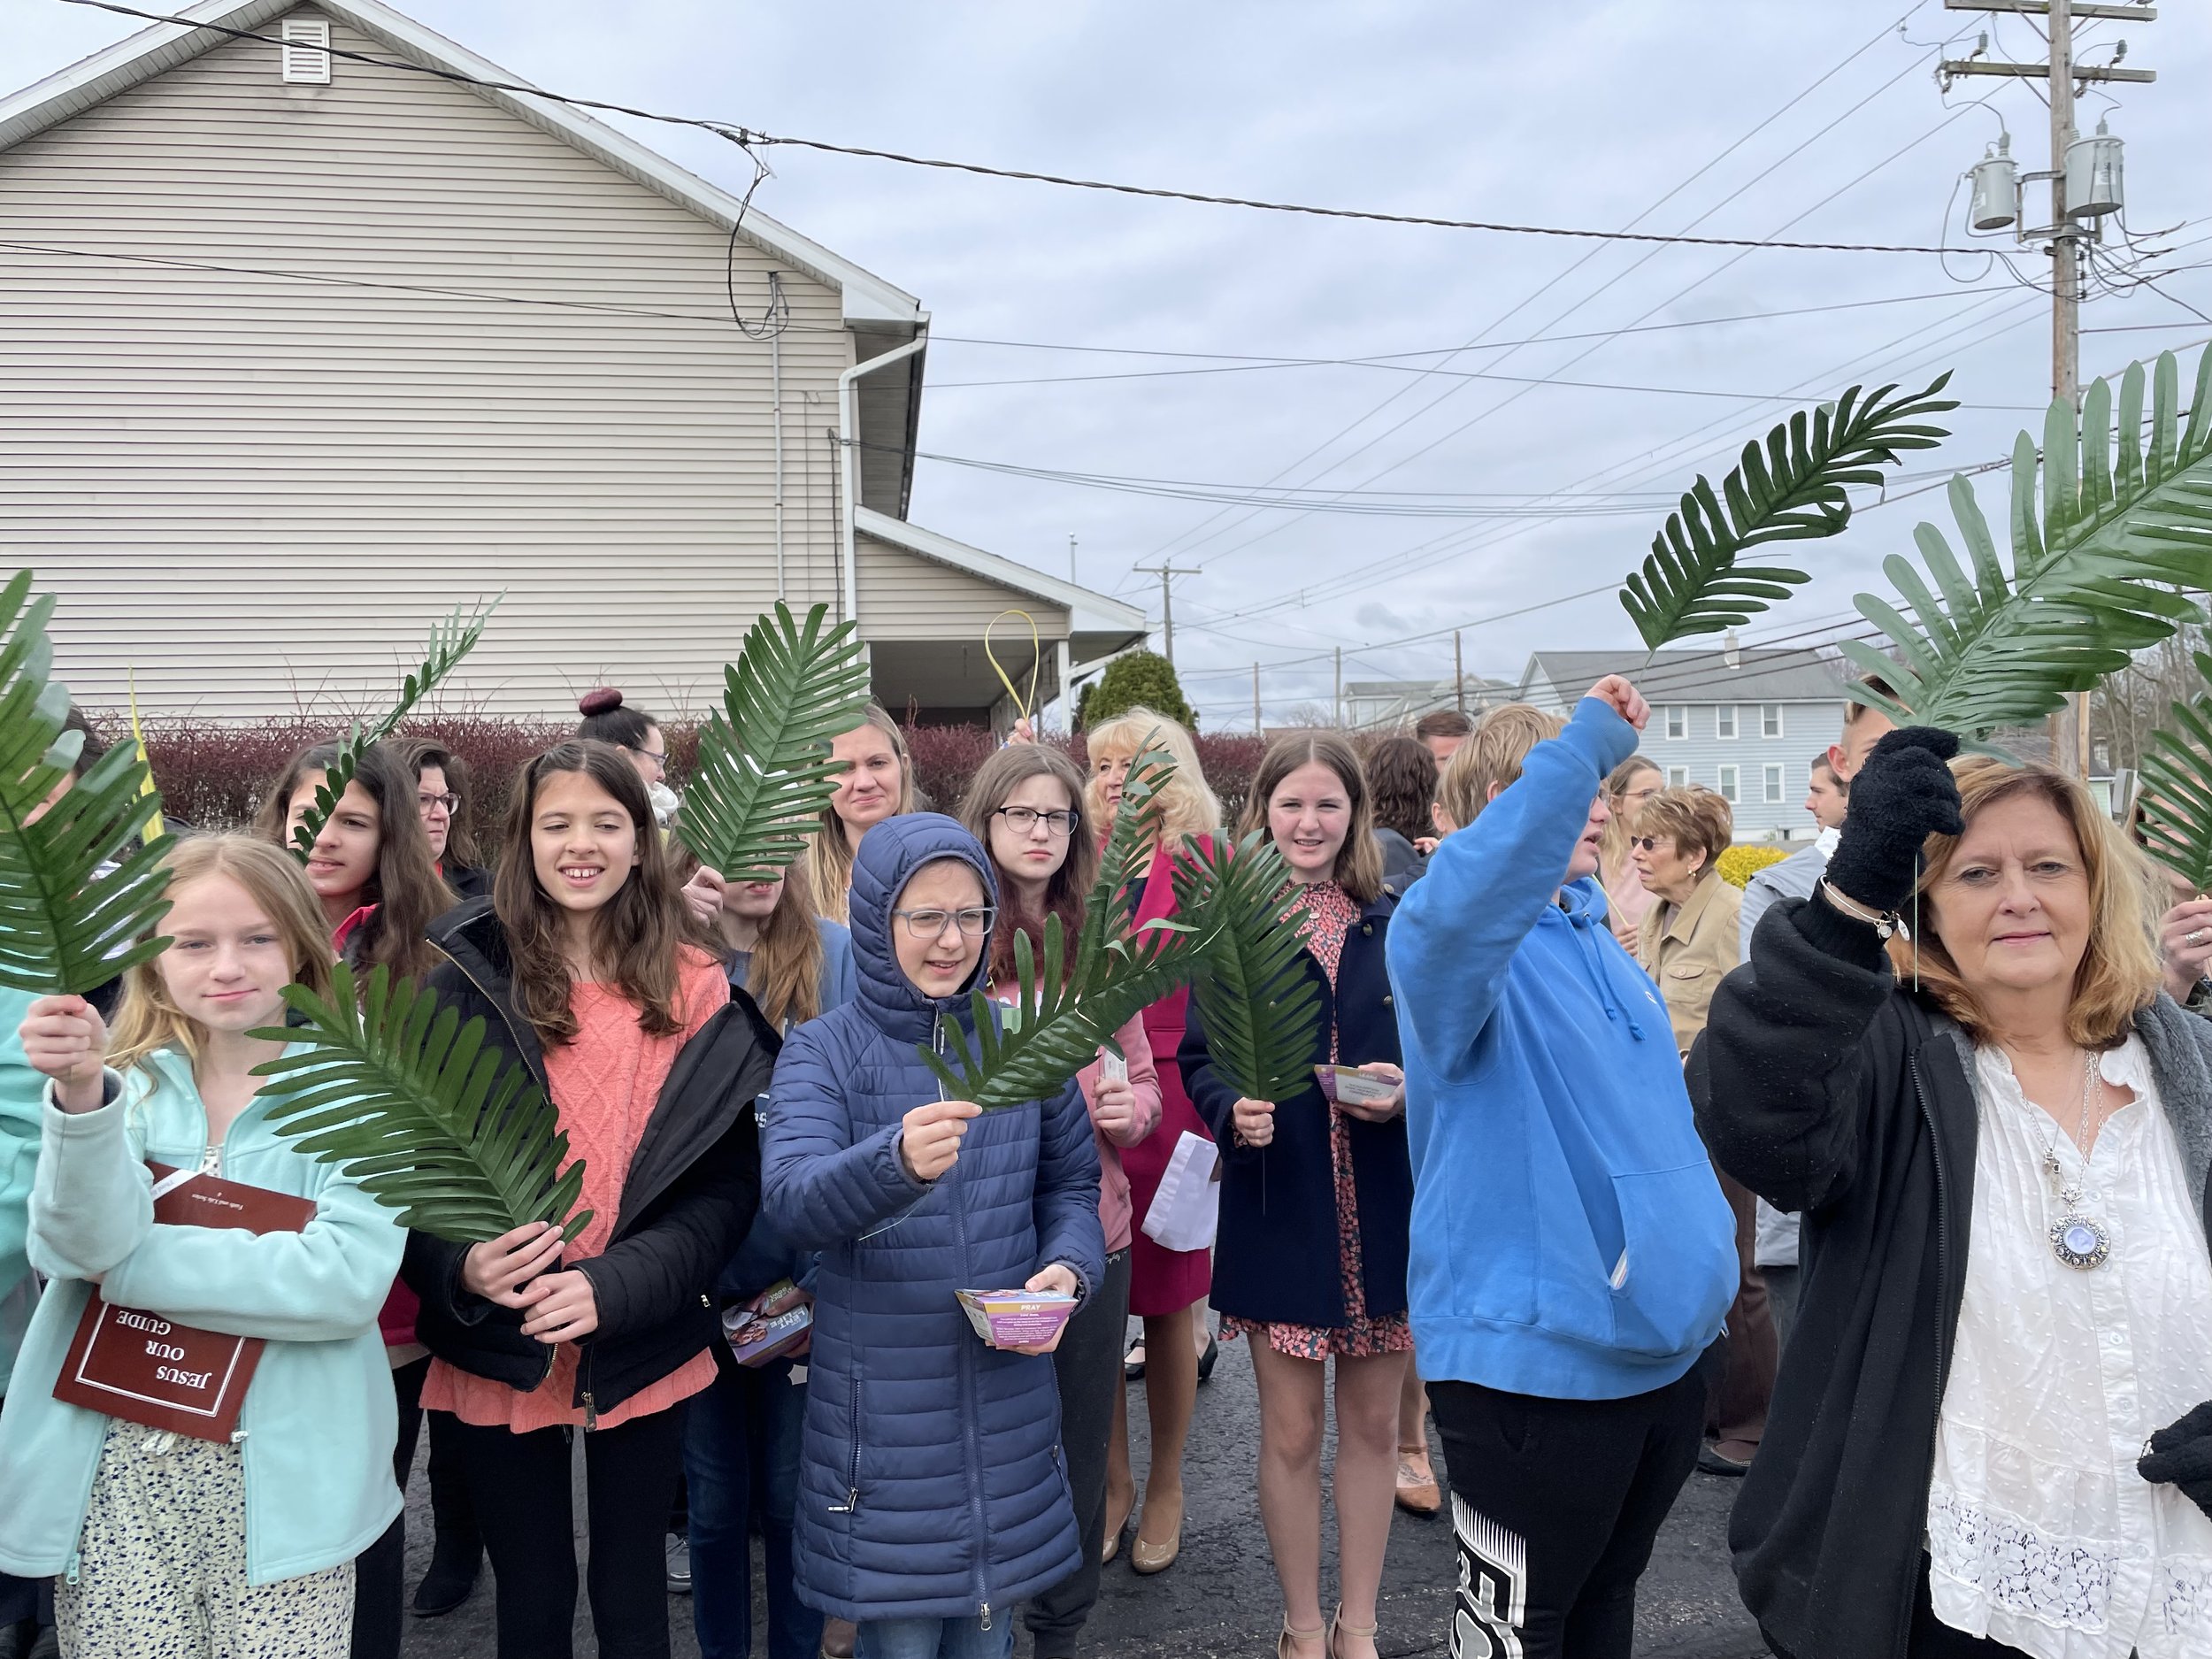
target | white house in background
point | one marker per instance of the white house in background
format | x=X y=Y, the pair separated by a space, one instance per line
x=300 y=349
x=1387 y=703
x=1747 y=723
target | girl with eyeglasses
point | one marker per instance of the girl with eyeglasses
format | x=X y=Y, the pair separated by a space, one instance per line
x=1026 y=805
x=581 y=967
x=932 y=1497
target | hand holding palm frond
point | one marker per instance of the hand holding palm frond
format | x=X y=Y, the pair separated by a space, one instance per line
x=450 y=641
x=1260 y=1010
x=80 y=888
x=1793 y=490
x=2099 y=565
x=414 y=1107
x=1062 y=1017
x=764 y=771
x=2177 y=789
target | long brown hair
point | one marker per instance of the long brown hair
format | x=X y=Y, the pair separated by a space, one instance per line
x=1359 y=861
x=405 y=889
x=461 y=851
x=1064 y=894
x=2119 y=971
x=830 y=852
x=785 y=976
x=637 y=935
x=148 y=1021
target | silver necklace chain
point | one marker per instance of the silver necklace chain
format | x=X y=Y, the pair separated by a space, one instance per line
x=2079 y=1240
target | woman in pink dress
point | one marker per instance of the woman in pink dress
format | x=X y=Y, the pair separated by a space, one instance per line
x=1165 y=1285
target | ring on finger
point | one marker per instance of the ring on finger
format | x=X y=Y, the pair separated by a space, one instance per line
x=2194 y=936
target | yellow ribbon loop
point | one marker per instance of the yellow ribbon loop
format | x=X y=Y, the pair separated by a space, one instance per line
x=152 y=832
x=1025 y=707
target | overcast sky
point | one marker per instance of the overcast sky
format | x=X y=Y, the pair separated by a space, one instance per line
x=1814 y=120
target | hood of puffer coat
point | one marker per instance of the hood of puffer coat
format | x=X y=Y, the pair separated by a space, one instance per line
x=891 y=854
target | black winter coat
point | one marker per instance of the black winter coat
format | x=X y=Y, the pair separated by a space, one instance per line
x=692 y=1187
x=1278 y=1256
x=1824 y=1086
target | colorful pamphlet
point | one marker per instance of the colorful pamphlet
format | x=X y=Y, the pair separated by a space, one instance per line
x=1016 y=1318
x=1349 y=1086
x=757 y=1338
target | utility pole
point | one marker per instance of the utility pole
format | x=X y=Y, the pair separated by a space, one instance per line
x=1459 y=674
x=2067 y=231
x=1071 y=556
x=1256 y=726
x=1339 y=687
x=1167 y=600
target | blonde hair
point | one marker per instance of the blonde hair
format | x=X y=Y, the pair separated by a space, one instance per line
x=2119 y=973
x=1492 y=755
x=1695 y=818
x=1185 y=805
x=1359 y=868
x=1613 y=839
x=148 y=1021
x=829 y=849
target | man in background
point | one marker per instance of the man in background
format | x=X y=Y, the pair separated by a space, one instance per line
x=1443 y=731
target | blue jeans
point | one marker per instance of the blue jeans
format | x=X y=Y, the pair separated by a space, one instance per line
x=742 y=1451
x=936 y=1639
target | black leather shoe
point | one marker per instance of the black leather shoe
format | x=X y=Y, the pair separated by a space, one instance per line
x=1206 y=1359
x=445 y=1586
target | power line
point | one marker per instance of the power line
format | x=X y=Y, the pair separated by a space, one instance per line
x=749 y=138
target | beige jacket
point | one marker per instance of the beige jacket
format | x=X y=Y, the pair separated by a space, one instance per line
x=1688 y=948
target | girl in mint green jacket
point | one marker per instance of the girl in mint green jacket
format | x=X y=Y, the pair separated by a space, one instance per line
x=167 y=1543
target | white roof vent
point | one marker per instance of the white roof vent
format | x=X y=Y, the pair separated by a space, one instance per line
x=306 y=50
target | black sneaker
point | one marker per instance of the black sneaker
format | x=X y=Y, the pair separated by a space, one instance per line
x=678 y=1565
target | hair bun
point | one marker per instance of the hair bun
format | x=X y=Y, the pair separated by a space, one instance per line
x=603 y=700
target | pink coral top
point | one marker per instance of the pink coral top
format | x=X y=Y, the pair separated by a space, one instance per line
x=604 y=1085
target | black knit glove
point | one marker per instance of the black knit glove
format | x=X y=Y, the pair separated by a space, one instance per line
x=2181 y=1453
x=1903 y=795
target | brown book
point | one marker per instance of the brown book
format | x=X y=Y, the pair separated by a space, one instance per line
x=143 y=1368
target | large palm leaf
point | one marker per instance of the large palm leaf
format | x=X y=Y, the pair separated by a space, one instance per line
x=1262 y=1010
x=2100 y=563
x=411 y=1103
x=2177 y=789
x=450 y=640
x=765 y=772
x=80 y=889
x=1793 y=490
x=1064 y=1012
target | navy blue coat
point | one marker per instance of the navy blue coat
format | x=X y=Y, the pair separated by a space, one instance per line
x=1277 y=1258
x=930 y=1482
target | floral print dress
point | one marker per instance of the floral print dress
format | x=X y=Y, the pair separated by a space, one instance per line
x=1330 y=913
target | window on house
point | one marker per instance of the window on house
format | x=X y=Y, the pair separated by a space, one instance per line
x=1678 y=776
x=1725 y=721
x=1770 y=719
x=1774 y=783
x=1730 y=785
x=305 y=53
x=1678 y=721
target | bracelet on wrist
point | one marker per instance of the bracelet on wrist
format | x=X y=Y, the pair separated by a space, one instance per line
x=1886 y=924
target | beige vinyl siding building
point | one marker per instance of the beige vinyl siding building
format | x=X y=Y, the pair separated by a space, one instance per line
x=293 y=367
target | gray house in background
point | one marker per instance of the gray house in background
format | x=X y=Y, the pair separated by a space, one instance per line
x=1747 y=723
x=1385 y=703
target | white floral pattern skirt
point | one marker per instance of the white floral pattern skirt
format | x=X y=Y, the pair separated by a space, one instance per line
x=161 y=1570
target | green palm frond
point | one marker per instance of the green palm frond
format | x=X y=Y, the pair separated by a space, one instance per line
x=2100 y=565
x=1064 y=1012
x=1262 y=1011
x=2177 y=789
x=1793 y=490
x=411 y=1103
x=450 y=641
x=764 y=771
x=80 y=888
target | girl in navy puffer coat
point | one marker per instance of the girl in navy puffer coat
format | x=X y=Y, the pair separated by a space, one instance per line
x=932 y=1496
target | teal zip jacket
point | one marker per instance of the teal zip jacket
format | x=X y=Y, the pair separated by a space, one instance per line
x=319 y=1422
x=1569 y=1238
x=21 y=1093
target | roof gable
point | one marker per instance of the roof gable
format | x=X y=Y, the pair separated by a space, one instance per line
x=866 y=298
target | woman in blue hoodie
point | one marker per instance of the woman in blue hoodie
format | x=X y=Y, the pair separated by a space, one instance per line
x=1572 y=1256
x=932 y=1496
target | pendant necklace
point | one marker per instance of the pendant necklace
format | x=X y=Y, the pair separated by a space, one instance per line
x=2077 y=1239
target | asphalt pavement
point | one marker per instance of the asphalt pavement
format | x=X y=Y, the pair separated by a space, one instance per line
x=1220 y=1598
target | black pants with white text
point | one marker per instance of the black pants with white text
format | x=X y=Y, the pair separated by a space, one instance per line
x=1555 y=1505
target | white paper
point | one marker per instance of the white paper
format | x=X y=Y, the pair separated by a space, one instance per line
x=1187 y=1209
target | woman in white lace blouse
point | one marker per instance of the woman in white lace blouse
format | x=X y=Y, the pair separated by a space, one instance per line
x=1957 y=1060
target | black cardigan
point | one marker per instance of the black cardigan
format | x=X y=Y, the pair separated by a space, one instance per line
x=1277 y=1258
x=689 y=1195
x=1825 y=1088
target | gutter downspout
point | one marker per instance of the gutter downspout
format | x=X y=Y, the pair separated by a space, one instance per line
x=775 y=407
x=849 y=463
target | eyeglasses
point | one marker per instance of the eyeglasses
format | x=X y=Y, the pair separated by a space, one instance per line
x=660 y=758
x=932 y=924
x=1650 y=843
x=1023 y=819
x=447 y=803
